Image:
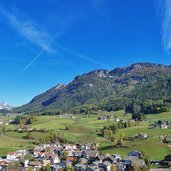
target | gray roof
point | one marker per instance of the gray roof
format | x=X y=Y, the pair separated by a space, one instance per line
x=101 y=157
x=91 y=153
x=113 y=159
x=96 y=163
x=106 y=163
x=83 y=166
x=93 y=168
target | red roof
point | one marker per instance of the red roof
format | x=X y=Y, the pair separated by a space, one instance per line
x=70 y=158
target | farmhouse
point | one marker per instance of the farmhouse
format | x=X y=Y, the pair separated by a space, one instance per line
x=135 y=154
x=161 y=124
x=1 y=122
x=141 y=135
x=167 y=160
x=102 y=118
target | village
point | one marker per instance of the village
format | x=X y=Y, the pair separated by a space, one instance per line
x=69 y=157
x=78 y=157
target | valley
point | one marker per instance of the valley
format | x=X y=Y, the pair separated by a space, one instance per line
x=85 y=128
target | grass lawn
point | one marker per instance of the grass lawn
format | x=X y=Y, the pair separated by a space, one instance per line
x=152 y=146
x=9 y=144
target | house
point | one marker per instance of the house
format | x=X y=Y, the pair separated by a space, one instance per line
x=68 y=163
x=168 y=122
x=3 y=163
x=117 y=119
x=54 y=159
x=45 y=162
x=86 y=146
x=127 y=162
x=63 y=165
x=109 y=117
x=70 y=147
x=89 y=154
x=160 y=124
x=105 y=165
x=12 y=156
x=93 y=168
x=122 y=167
x=26 y=163
x=35 y=164
x=163 y=126
x=80 y=167
x=135 y=154
x=84 y=160
x=136 y=161
x=155 y=126
x=68 y=116
x=59 y=116
x=21 y=152
x=167 y=160
x=103 y=118
x=123 y=121
x=141 y=135
x=110 y=159
x=57 y=167
x=117 y=157
x=100 y=158
x=77 y=153
x=96 y=163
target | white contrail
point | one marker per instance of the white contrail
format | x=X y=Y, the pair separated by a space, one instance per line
x=164 y=10
x=39 y=54
x=27 y=28
x=80 y=56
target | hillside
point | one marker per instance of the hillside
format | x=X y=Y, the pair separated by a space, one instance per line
x=103 y=89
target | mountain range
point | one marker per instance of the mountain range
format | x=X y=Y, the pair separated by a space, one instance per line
x=103 y=88
x=5 y=106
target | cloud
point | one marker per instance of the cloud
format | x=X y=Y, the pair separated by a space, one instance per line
x=165 y=13
x=81 y=56
x=40 y=53
x=31 y=31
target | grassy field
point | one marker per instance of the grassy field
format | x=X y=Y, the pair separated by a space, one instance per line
x=9 y=144
x=84 y=129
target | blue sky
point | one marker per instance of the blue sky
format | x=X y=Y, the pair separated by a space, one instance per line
x=43 y=43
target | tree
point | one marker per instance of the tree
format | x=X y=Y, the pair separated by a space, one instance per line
x=115 y=141
x=114 y=128
x=28 y=156
x=47 y=168
x=30 y=169
x=66 y=126
x=3 y=129
x=113 y=167
x=72 y=168
x=122 y=136
x=120 y=142
x=68 y=168
x=65 y=154
x=29 y=136
x=145 y=156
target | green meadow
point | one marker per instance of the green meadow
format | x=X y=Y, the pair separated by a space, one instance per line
x=84 y=129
